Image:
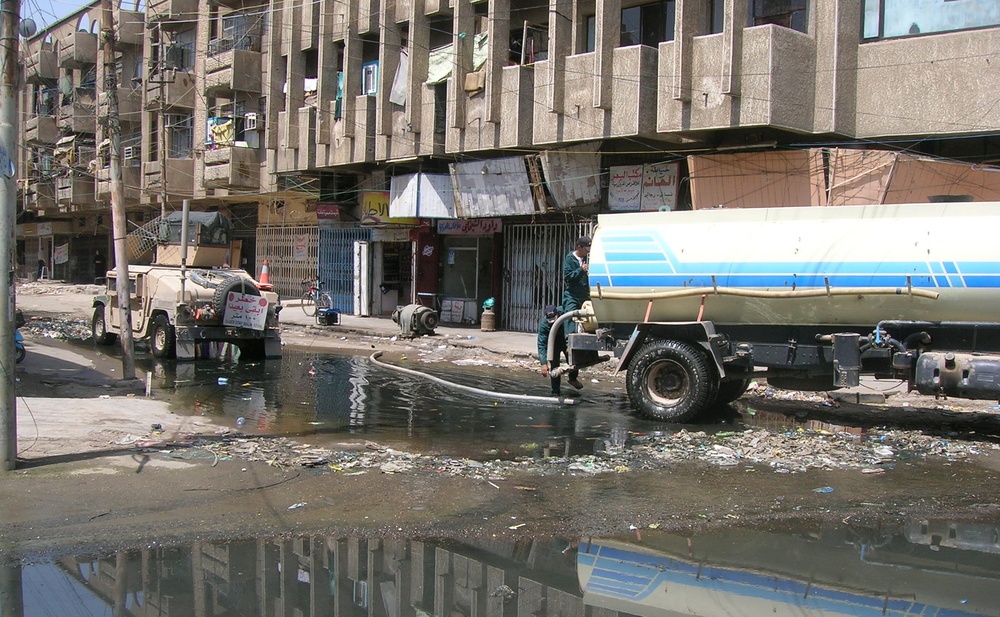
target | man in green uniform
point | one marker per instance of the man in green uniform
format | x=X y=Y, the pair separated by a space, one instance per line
x=576 y=276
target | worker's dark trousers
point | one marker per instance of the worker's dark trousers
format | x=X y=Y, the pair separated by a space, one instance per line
x=555 y=380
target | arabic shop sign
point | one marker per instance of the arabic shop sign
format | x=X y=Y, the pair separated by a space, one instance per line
x=643 y=187
x=245 y=311
x=375 y=210
x=468 y=227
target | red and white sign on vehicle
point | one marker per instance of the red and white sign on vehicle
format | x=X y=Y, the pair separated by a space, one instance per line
x=245 y=311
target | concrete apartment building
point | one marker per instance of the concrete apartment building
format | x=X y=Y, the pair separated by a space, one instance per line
x=448 y=151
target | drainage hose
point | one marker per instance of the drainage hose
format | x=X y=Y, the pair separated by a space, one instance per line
x=523 y=398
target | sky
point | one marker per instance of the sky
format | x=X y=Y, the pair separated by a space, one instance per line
x=47 y=12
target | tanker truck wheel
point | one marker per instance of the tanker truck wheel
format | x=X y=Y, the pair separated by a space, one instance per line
x=731 y=389
x=670 y=381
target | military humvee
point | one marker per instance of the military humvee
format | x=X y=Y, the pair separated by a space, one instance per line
x=176 y=309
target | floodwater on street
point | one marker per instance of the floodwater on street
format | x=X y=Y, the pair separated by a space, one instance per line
x=914 y=567
x=343 y=396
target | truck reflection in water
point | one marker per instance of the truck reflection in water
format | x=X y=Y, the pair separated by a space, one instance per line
x=928 y=568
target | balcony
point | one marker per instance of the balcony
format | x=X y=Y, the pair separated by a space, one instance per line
x=172 y=10
x=77 y=118
x=41 y=130
x=239 y=5
x=179 y=176
x=131 y=27
x=232 y=168
x=75 y=192
x=129 y=181
x=77 y=50
x=39 y=194
x=232 y=68
x=129 y=105
x=177 y=90
x=41 y=66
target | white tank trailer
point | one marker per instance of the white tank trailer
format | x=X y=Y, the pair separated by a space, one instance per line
x=695 y=304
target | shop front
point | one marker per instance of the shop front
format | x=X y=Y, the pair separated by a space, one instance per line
x=470 y=253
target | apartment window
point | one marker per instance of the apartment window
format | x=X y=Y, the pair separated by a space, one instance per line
x=529 y=44
x=792 y=14
x=648 y=24
x=716 y=16
x=887 y=19
x=369 y=78
x=180 y=135
x=590 y=43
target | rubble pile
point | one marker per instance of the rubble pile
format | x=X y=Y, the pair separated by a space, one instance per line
x=801 y=449
x=783 y=452
x=58 y=328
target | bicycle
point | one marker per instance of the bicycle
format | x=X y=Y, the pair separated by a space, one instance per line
x=314 y=297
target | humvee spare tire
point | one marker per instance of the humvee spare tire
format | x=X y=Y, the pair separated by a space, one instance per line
x=235 y=283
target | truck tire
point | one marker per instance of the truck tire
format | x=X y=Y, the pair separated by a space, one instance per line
x=238 y=284
x=99 y=328
x=670 y=381
x=162 y=338
x=731 y=389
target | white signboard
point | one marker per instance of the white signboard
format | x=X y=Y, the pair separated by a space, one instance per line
x=625 y=187
x=659 y=186
x=300 y=250
x=61 y=254
x=643 y=187
x=44 y=229
x=469 y=227
x=245 y=311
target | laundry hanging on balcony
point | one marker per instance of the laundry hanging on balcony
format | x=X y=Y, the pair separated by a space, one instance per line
x=440 y=61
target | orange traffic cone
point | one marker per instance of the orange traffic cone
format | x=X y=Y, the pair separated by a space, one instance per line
x=265 y=278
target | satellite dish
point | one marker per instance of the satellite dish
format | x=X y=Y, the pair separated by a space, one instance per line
x=27 y=28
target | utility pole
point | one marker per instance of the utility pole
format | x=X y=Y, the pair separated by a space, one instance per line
x=119 y=228
x=10 y=16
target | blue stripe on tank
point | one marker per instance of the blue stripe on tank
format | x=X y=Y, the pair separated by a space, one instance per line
x=638 y=259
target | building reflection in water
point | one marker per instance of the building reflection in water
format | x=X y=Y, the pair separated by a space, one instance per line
x=919 y=568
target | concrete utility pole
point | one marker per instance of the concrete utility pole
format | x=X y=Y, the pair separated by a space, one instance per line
x=119 y=228
x=10 y=16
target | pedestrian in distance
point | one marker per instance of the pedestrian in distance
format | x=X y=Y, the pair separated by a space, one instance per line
x=576 y=276
x=544 y=332
x=100 y=265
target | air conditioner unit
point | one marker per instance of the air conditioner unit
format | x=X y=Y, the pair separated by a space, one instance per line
x=128 y=152
x=251 y=122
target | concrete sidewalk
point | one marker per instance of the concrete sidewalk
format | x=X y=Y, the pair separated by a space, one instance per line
x=515 y=343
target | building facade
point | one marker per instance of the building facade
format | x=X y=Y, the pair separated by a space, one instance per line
x=448 y=151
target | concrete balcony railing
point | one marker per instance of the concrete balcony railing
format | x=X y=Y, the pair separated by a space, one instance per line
x=77 y=50
x=172 y=10
x=77 y=118
x=41 y=66
x=176 y=91
x=130 y=182
x=129 y=105
x=235 y=70
x=230 y=167
x=131 y=27
x=75 y=191
x=179 y=177
x=41 y=130
x=40 y=195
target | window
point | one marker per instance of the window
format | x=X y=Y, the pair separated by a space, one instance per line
x=649 y=24
x=369 y=78
x=716 y=15
x=591 y=38
x=180 y=135
x=886 y=19
x=792 y=14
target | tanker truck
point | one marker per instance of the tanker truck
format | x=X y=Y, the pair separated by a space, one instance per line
x=696 y=304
